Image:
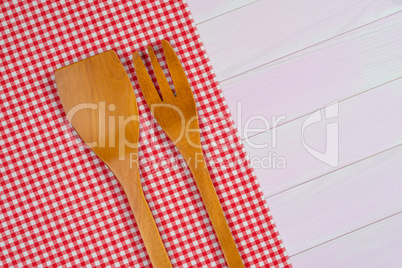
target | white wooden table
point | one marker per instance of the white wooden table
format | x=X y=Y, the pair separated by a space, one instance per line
x=282 y=61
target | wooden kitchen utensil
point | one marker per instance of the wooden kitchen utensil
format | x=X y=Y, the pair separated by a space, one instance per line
x=99 y=101
x=177 y=115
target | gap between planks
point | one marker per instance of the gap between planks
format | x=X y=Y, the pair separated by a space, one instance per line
x=339 y=203
x=278 y=28
x=301 y=50
x=333 y=171
x=320 y=108
x=308 y=47
x=364 y=91
x=346 y=234
x=226 y=12
x=368 y=120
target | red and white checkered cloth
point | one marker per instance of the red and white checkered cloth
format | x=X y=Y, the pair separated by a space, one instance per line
x=60 y=205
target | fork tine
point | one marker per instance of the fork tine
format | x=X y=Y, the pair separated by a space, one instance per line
x=166 y=91
x=176 y=70
x=147 y=87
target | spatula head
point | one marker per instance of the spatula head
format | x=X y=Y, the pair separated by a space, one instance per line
x=99 y=101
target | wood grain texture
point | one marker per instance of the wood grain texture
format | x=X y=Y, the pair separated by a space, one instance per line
x=316 y=211
x=177 y=116
x=207 y=9
x=309 y=80
x=368 y=123
x=267 y=30
x=93 y=91
x=291 y=58
x=377 y=245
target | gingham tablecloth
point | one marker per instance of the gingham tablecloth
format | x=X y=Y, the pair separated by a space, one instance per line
x=60 y=205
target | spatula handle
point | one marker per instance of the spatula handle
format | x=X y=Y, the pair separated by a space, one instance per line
x=146 y=224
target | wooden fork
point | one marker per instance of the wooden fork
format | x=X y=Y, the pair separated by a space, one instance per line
x=177 y=115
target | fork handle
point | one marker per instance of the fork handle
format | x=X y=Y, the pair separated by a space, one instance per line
x=146 y=223
x=198 y=167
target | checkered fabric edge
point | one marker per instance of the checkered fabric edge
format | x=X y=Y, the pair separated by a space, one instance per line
x=60 y=205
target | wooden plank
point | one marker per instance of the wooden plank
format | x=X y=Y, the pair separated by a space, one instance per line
x=377 y=245
x=307 y=81
x=267 y=30
x=339 y=202
x=207 y=9
x=367 y=124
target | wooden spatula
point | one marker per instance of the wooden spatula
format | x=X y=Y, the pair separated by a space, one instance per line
x=99 y=101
